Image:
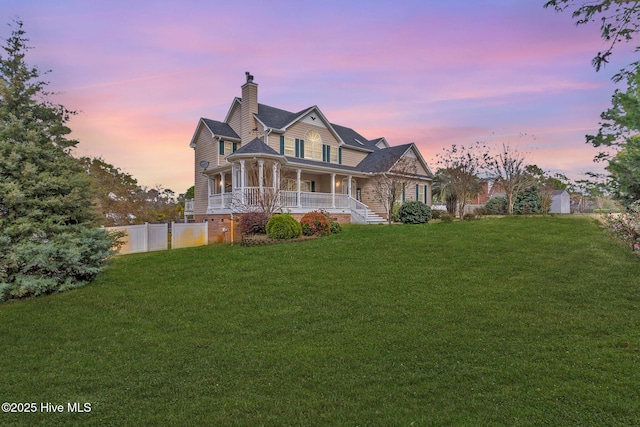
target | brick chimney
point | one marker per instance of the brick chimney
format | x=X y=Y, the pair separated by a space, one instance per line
x=249 y=108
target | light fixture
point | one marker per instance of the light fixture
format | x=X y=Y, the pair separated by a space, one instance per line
x=204 y=164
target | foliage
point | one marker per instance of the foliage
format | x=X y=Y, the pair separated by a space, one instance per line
x=446 y=217
x=624 y=168
x=480 y=211
x=335 y=227
x=527 y=203
x=121 y=201
x=618 y=22
x=414 y=212
x=315 y=223
x=48 y=240
x=459 y=171
x=254 y=222
x=283 y=226
x=437 y=213
x=509 y=171
x=443 y=191
x=496 y=206
x=625 y=226
x=469 y=216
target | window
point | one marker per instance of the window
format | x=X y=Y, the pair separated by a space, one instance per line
x=292 y=185
x=421 y=193
x=289 y=146
x=313 y=143
x=227 y=147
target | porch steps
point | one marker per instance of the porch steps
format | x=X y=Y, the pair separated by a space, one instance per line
x=374 y=218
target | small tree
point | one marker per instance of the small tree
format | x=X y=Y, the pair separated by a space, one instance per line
x=393 y=174
x=509 y=170
x=48 y=238
x=463 y=165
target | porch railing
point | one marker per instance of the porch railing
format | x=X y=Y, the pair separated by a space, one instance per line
x=254 y=196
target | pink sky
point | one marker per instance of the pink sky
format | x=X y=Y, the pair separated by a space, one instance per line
x=142 y=73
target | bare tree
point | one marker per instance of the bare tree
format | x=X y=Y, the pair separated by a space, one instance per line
x=463 y=165
x=393 y=174
x=265 y=198
x=509 y=169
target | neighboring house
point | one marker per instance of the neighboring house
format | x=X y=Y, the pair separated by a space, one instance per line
x=490 y=188
x=262 y=157
x=560 y=202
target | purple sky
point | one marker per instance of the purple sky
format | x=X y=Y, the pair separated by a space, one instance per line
x=435 y=72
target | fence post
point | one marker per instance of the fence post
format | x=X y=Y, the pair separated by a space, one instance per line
x=146 y=237
x=173 y=234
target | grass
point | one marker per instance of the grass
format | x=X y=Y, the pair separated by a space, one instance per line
x=503 y=321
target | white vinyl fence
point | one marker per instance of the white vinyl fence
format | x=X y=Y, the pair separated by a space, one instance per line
x=187 y=235
x=155 y=237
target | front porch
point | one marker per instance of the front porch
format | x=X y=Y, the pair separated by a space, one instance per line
x=273 y=200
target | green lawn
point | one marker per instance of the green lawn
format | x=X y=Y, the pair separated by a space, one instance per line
x=502 y=321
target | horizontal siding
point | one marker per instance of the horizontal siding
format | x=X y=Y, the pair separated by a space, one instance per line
x=352 y=157
x=206 y=149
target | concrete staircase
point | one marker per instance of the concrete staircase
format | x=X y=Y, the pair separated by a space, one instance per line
x=374 y=218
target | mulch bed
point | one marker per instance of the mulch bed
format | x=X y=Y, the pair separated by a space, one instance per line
x=263 y=239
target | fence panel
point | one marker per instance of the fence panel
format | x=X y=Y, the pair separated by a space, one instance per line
x=143 y=238
x=158 y=237
x=188 y=235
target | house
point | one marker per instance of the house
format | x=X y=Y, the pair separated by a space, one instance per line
x=265 y=158
x=560 y=202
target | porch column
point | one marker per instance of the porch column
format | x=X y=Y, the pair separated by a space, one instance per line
x=333 y=190
x=276 y=177
x=222 y=189
x=349 y=189
x=261 y=177
x=242 y=180
x=298 y=174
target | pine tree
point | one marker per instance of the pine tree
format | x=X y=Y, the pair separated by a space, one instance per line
x=48 y=238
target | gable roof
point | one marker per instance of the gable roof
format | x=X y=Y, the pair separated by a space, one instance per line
x=216 y=128
x=384 y=159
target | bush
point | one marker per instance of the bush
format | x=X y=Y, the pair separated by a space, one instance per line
x=254 y=223
x=316 y=223
x=480 y=211
x=496 y=206
x=414 y=212
x=335 y=227
x=395 y=217
x=437 y=213
x=446 y=217
x=283 y=226
x=468 y=216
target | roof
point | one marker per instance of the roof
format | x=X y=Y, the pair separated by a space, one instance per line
x=220 y=128
x=256 y=146
x=382 y=160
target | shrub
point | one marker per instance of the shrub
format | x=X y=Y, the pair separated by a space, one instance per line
x=254 y=223
x=437 y=213
x=480 y=211
x=496 y=206
x=395 y=217
x=414 y=212
x=283 y=226
x=335 y=227
x=625 y=226
x=315 y=223
x=468 y=216
x=446 y=217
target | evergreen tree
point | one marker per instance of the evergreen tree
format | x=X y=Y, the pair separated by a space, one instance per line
x=48 y=238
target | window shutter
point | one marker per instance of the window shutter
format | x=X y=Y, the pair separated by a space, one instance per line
x=221 y=149
x=339 y=155
x=328 y=153
x=302 y=148
x=417 y=192
x=297 y=152
x=282 y=144
x=403 y=193
x=425 y=194
x=235 y=146
x=313 y=186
